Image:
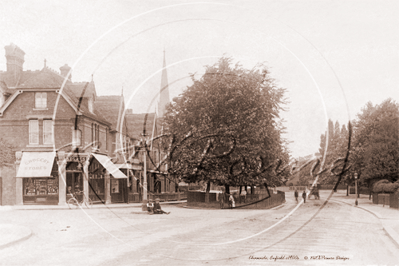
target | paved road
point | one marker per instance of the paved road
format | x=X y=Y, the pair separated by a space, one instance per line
x=202 y=237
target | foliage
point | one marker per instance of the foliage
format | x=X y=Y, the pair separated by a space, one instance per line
x=375 y=154
x=336 y=147
x=7 y=155
x=385 y=186
x=232 y=116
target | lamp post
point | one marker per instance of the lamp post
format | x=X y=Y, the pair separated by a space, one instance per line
x=355 y=175
x=144 y=149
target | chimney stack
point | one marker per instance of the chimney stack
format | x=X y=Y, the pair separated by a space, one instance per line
x=65 y=70
x=15 y=61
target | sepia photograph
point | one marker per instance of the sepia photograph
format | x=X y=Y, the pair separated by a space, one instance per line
x=185 y=132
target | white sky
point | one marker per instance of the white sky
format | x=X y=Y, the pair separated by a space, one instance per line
x=311 y=48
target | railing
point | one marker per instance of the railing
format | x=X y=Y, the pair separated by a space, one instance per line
x=169 y=196
x=197 y=198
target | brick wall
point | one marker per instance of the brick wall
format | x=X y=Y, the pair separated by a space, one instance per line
x=8 y=174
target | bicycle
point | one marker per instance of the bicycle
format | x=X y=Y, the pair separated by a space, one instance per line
x=79 y=203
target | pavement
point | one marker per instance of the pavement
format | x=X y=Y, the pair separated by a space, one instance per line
x=389 y=217
x=11 y=233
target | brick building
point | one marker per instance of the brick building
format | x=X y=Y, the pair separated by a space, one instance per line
x=62 y=136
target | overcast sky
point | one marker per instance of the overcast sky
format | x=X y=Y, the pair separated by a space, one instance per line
x=331 y=56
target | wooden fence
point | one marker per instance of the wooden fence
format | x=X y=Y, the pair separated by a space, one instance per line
x=391 y=199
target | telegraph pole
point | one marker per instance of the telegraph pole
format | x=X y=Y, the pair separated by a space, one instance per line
x=144 y=149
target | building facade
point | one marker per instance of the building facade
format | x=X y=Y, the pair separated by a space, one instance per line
x=62 y=142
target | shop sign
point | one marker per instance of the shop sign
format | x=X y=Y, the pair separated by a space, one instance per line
x=36 y=164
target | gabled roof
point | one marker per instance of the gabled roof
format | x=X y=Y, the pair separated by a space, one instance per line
x=8 y=79
x=111 y=107
x=135 y=124
x=46 y=78
x=50 y=79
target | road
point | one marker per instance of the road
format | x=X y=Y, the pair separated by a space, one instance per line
x=337 y=234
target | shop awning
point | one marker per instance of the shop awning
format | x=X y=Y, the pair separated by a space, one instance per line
x=36 y=164
x=110 y=166
x=123 y=166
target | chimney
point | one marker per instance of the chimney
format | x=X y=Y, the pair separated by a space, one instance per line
x=65 y=70
x=15 y=61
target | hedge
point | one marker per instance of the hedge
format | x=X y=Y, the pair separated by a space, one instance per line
x=384 y=186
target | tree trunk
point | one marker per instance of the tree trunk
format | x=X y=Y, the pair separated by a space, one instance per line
x=252 y=190
x=227 y=188
x=240 y=190
x=347 y=190
x=208 y=188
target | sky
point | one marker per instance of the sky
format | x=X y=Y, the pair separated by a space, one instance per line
x=331 y=56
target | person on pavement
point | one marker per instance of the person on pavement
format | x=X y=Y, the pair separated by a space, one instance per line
x=296 y=195
x=304 y=196
x=150 y=206
x=231 y=201
x=158 y=209
x=243 y=195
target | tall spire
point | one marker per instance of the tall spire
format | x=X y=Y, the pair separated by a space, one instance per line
x=164 y=91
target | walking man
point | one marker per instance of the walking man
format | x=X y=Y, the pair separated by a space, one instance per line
x=304 y=196
x=296 y=195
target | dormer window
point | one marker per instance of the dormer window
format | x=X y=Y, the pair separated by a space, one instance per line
x=40 y=100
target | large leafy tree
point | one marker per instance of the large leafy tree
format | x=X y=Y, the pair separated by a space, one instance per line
x=375 y=153
x=228 y=127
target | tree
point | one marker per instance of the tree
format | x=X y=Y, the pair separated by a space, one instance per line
x=337 y=147
x=228 y=127
x=375 y=153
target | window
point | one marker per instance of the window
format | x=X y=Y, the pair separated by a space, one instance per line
x=40 y=100
x=95 y=135
x=33 y=131
x=47 y=132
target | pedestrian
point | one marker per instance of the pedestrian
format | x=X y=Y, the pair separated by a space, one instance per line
x=296 y=195
x=222 y=199
x=157 y=208
x=243 y=195
x=304 y=196
x=231 y=201
x=150 y=207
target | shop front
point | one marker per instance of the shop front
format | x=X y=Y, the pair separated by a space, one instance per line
x=39 y=174
x=108 y=180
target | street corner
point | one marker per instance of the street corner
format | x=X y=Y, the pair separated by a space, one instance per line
x=12 y=234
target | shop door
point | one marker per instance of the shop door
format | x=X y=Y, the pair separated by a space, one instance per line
x=117 y=190
x=74 y=182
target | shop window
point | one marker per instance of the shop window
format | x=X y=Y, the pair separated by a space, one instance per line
x=114 y=186
x=47 y=132
x=40 y=187
x=33 y=131
x=40 y=100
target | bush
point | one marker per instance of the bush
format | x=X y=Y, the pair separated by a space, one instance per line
x=384 y=186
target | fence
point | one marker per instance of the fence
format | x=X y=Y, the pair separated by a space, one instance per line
x=197 y=198
x=391 y=199
x=170 y=196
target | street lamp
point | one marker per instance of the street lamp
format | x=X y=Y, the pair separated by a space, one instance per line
x=144 y=149
x=355 y=175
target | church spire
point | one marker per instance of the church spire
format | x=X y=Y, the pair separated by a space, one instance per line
x=164 y=91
